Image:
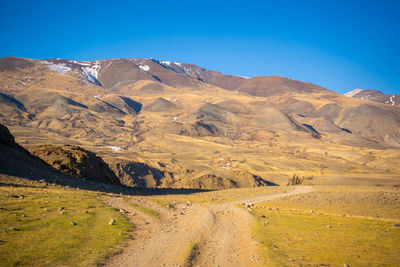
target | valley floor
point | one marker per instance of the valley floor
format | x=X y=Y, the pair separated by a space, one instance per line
x=266 y=226
x=192 y=234
x=238 y=232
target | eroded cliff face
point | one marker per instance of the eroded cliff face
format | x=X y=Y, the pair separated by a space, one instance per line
x=76 y=161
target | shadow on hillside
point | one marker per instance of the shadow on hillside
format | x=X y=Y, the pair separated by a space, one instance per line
x=11 y=179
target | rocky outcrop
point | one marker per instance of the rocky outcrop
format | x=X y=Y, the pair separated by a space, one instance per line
x=76 y=161
x=139 y=174
x=235 y=178
x=17 y=161
x=6 y=137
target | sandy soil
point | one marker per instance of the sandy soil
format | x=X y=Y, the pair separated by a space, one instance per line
x=221 y=233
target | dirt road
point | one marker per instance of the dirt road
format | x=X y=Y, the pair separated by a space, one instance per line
x=191 y=234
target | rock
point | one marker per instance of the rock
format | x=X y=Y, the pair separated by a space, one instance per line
x=396 y=225
x=61 y=212
x=61 y=208
x=111 y=222
x=76 y=161
x=73 y=223
x=86 y=211
x=13 y=229
x=329 y=226
x=346 y=265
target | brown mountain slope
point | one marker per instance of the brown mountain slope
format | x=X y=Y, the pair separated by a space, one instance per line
x=193 y=128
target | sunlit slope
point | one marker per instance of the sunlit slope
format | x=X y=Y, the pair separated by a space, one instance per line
x=195 y=133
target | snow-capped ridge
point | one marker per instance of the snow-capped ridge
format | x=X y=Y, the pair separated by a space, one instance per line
x=353 y=92
x=88 y=70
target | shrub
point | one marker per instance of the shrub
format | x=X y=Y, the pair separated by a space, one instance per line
x=295 y=180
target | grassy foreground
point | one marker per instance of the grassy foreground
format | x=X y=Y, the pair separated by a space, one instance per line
x=291 y=234
x=55 y=226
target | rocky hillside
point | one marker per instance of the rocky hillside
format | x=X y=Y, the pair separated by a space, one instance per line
x=17 y=161
x=76 y=161
x=193 y=125
x=375 y=95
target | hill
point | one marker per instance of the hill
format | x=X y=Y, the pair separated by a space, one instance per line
x=190 y=123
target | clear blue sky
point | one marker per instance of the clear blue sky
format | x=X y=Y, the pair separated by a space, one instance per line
x=341 y=45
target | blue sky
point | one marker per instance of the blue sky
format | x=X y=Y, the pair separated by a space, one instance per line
x=341 y=45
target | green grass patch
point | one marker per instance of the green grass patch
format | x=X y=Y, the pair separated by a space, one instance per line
x=145 y=210
x=36 y=229
x=290 y=237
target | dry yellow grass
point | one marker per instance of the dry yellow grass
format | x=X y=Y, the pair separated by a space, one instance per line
x=332 y=226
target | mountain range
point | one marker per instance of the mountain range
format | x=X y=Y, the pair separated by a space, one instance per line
x=170 y=124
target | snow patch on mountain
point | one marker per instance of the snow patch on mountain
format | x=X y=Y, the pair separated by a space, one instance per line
x=116 y=149
x=90 y=77
x=144 y=67
x=165 y=62
x=245 y=77
x=59 y=67
x=92 y=68
x=352 y=93
x=391 y=99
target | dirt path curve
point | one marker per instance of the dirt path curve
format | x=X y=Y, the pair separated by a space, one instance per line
x=219 y=235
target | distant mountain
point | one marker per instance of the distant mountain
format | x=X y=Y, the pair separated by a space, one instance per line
x=181 y=125
x=115 y=73
x=375 y=95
